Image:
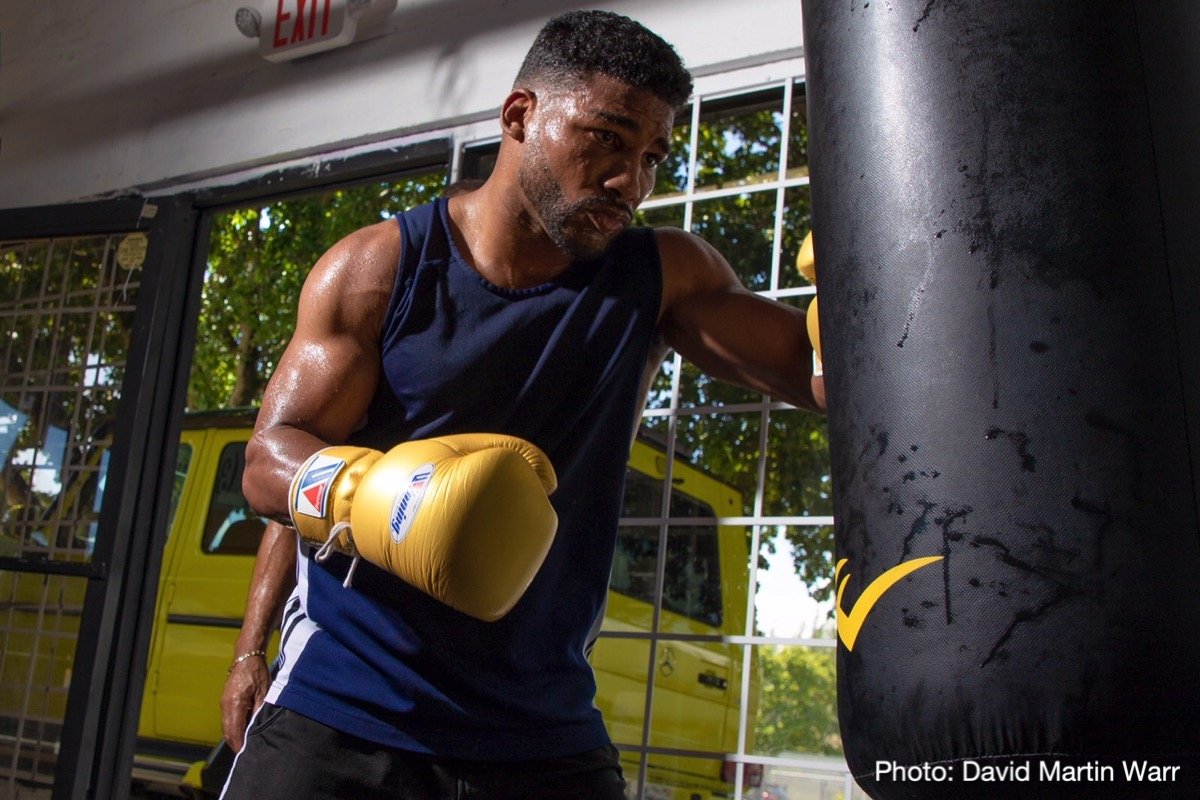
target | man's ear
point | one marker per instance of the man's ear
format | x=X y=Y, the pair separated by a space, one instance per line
x=516 y=111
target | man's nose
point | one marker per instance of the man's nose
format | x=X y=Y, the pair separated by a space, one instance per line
x=629 y=181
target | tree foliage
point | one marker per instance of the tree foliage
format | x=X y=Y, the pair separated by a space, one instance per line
x=797 y=711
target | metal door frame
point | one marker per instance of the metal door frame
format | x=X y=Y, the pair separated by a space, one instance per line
x=100 y=724
x=99 y=734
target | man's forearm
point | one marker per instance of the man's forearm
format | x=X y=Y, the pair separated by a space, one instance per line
x=273 y=579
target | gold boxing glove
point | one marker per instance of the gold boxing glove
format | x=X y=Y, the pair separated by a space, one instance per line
x=466 y=519
x=807 y=266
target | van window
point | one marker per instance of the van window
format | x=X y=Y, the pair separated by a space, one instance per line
x=692 y=580
x=182 y=461
x=231 y=527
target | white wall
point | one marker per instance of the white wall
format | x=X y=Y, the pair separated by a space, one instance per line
x=109 y=98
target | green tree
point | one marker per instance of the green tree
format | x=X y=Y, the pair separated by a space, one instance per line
x=797 y=710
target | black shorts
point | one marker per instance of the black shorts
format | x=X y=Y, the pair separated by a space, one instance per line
x=288 y=757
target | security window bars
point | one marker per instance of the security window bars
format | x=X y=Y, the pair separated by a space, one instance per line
x=66 y=309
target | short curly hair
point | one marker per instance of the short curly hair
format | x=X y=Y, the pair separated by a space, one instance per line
x=578 y=43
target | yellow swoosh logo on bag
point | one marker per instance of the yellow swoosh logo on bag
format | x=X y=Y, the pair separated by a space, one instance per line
x=848 y=625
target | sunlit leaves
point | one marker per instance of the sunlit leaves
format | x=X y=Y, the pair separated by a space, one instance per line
x=797 y=711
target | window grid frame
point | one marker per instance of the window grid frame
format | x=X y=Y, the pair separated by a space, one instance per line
x=758 y=523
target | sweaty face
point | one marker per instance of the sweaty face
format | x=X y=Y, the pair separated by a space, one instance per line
x=590 y=159
x=566 y=223
x=584 y=227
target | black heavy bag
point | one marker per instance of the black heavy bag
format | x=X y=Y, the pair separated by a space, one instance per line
x=1008 y=287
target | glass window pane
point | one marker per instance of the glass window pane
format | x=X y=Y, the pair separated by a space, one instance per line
x=658 y=393
x=794 y=588
x=797 y=222
x=739 y=141
x=232 y=527
x=55 y=275
x=182 y=461
x=39 y=626
x=798 y=480
x=620 y=666
x=692 y=585
x=742 y=228
x=697 y=698
x=672 y=175
x=19 y=333
x=704 y=574
x=19 y=267
x=725 y=447
x=797 y=708
x=662 y=216
x=798 y=134
x=69 y=314
x=698 y=389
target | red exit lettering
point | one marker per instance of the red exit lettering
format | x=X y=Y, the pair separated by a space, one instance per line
x=299 y=21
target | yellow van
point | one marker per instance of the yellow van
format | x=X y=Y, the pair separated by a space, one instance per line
x=694 y=702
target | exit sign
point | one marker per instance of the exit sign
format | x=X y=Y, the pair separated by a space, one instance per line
x=295 y=28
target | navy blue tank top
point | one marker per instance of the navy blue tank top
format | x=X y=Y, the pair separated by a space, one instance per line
x=558 y=364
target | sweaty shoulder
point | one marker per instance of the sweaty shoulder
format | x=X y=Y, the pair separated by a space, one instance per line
x=689 y=265
x=350 y=286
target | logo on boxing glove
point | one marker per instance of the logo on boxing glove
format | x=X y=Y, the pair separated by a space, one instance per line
x=404 y=510
x=312 y=490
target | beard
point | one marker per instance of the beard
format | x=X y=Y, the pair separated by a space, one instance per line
x=567 y=224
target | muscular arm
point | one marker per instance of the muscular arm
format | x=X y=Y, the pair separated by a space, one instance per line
x=729 y=332
x=272 y=581
x=317 y=396
x=324 y=382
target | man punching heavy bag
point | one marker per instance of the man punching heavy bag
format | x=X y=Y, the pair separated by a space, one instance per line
x=1017 y=542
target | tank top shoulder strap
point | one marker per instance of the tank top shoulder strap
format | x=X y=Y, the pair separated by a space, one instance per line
x=423 y=235
x=422 y=239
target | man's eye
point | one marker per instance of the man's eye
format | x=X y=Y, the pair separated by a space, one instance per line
x=606 y=137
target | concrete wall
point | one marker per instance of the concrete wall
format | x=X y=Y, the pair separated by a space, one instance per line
x=108 y=98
